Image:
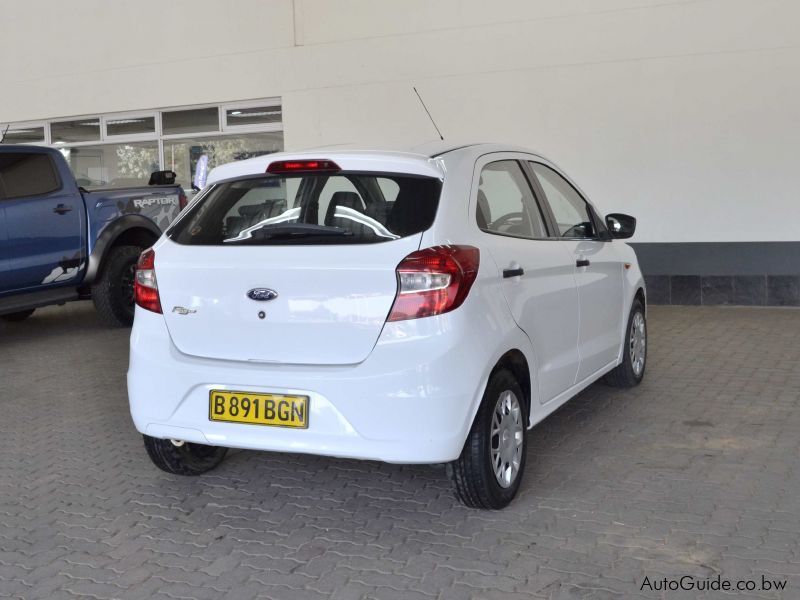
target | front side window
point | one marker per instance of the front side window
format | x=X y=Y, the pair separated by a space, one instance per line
x=569 y=209
x=506 y=204
x=346 y=208
x=26 y=174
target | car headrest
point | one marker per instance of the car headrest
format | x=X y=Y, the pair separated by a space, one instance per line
x=484 y=215
x=411 y=210
x=269 y=208
x=250 y=210
x=346 y=199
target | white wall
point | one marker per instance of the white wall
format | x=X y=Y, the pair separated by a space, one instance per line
x=682 y=112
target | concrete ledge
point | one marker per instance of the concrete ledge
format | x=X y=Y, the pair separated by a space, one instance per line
x=711 y=290
x=719 y=258
x=720 y=273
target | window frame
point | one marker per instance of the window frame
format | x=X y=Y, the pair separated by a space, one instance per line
x=537 y=203
x=260 y=128
x=221 y=129
x=121 y=138
x=60 y=144
x=28 y=125
x=185 y=135
x=601 y=232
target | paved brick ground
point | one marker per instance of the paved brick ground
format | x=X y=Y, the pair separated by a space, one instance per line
x=693 y=473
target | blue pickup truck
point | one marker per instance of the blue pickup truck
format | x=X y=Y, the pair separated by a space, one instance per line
x=60 y=242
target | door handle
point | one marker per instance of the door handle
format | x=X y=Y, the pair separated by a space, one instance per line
x=518 y=272
x=583 y=262
x=62 y=209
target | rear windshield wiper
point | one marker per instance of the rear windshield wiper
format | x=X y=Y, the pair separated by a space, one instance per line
x=288 y=231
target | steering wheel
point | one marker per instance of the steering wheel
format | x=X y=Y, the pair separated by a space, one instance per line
x=506 y=221
x=580 y=230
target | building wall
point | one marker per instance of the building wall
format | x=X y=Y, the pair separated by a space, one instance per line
x=683 y=112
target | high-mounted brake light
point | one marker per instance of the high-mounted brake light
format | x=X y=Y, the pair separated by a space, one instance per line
x=434 y=281
x=317 y=165
x=145 y=287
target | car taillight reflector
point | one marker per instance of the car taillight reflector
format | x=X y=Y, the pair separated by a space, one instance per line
x=145 y=287
x=317 y=165
x=434 y=281
x=182 y=200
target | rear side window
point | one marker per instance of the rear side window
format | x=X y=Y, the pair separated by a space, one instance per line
x=23 y=174
x=345 y=208
x=506 y=205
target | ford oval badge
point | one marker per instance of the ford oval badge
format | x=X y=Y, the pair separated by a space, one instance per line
x=262 y=294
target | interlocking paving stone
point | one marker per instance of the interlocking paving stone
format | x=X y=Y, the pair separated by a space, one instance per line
x=695 y=472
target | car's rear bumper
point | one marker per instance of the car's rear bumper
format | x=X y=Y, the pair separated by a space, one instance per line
x=411 y=401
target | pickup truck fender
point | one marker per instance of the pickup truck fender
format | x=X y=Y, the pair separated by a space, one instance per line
x=111 y=233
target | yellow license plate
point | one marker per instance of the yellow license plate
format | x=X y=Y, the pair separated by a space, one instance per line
x=276 y=410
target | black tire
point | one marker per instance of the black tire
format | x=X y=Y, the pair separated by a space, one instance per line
x=472 y=474
x=626 y=375
x=18 y=316
x=184 y=459
x=112 y=293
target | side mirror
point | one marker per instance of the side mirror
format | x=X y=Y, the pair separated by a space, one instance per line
x=621 y=226
x=162 y=178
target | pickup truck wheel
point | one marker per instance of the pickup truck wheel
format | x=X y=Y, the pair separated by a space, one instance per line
x=18 y=316
x=183 y=458
x=113 y=292
x=630 y=371
x=489 y=471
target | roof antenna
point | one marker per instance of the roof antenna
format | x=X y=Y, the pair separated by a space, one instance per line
x=429 y=114
x=5 y=131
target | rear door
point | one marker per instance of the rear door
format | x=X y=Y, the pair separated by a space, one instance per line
x=598 y=270
x=535 y=272
x=293 y=270
x=44 y=221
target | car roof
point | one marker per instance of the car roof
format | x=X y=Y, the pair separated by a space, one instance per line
x=418 y=160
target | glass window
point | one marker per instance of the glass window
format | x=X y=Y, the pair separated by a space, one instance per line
x=130 y=125
x=27 y=175
x=113 y=165
x=569 y=209
x=23 y=135
x=182 y=155
x=80 y=130
x=280 y=210
x=253 y=116
x=193 y=120
x=506 y=204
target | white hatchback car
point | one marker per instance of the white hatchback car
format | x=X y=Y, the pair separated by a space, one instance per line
x=409 y=307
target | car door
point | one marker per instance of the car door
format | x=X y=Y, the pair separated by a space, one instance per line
x=535 y=272
x=598 y=269
x=44 y=222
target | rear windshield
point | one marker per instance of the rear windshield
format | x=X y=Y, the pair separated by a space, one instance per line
x=345 y=208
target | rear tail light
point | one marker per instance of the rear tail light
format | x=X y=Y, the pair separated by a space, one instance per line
x=145 y=287
x=182 y=200
x=434 y=281
x=316 y=165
